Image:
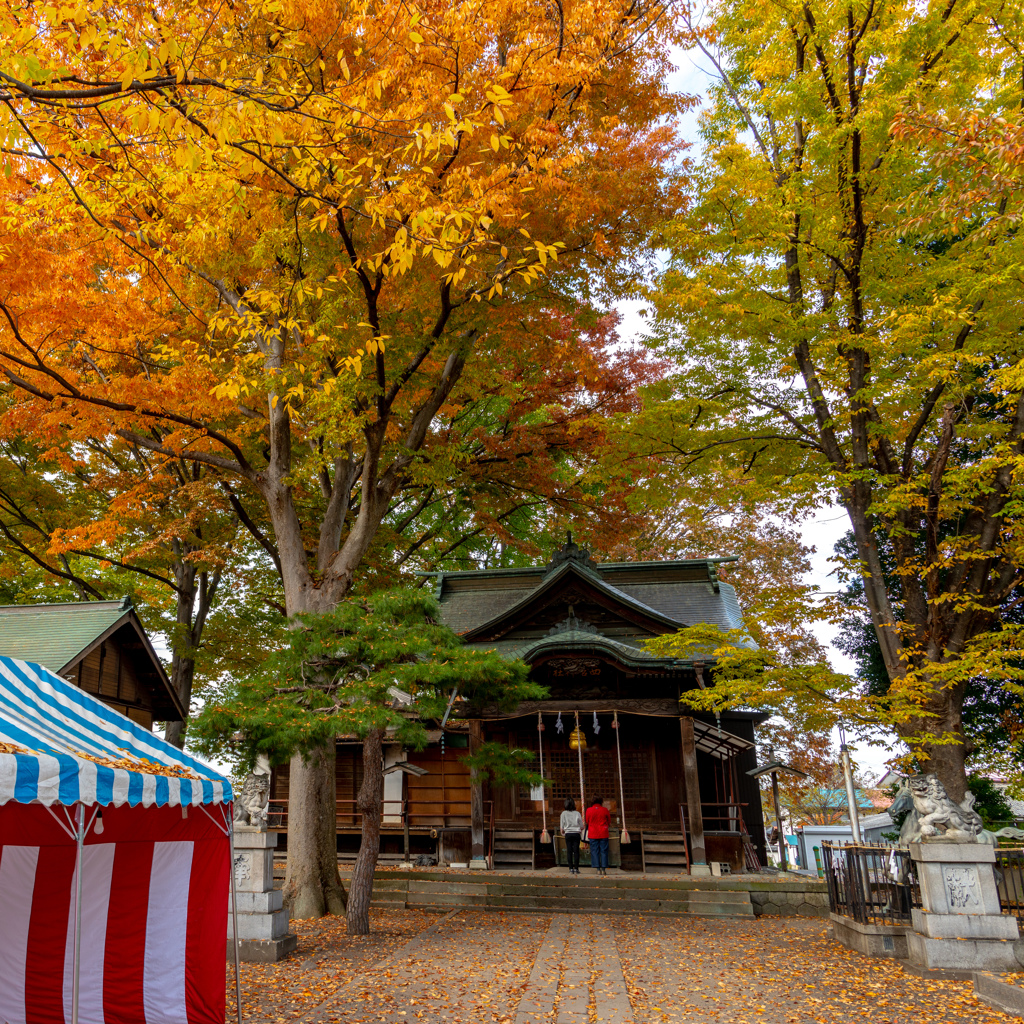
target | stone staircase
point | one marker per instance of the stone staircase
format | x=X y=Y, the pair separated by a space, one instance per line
x=513 y=851
x=558 y=894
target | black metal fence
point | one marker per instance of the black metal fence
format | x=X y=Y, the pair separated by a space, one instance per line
x=872 y=884
x=1010 y=882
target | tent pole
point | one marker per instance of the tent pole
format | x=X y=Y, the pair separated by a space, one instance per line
x=79 y=842
x=234 y=919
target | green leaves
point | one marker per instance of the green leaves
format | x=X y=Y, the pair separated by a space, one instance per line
x=842 y=304
x=380 y=662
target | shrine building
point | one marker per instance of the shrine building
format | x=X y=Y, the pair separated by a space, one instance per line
x=612 y=725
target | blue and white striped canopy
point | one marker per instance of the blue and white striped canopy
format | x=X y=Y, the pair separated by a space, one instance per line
x=60 y=745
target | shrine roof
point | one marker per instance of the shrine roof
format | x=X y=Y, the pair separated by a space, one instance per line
x=665 y=595
x=532 y=648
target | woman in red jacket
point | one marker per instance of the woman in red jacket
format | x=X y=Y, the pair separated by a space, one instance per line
x=598 y=820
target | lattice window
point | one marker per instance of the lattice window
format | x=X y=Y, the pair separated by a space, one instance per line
x=600 y=778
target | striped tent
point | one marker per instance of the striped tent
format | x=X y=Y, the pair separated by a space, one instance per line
x=114 y=861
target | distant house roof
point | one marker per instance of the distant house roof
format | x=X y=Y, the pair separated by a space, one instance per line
x=59 y=636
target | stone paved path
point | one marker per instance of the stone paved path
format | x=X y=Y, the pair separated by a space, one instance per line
x=577 y=977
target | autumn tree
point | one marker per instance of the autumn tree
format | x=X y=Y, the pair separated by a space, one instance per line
x=818 y=796
x=383 y=665
x=95 y=522
x=992 y=713
x=843 y=305
x=330 y=225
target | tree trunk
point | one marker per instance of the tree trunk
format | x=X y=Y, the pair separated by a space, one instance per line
x=947 y=761
x=476 y=794
x=312 y=887
x=371 y=793
x=190 y=622
x=183 y=669
x=183 y=661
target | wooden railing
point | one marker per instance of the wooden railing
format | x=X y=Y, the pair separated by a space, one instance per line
x=717 y=817
x=394 y=814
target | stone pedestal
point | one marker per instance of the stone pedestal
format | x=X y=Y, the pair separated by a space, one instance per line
x=263 y=935
x=960 y=927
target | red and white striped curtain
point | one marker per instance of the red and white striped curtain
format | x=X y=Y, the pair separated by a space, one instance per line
x=154 y=917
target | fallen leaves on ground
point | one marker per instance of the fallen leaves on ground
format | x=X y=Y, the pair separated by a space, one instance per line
x=325 y=959
x=776 y=971
x=466 y=968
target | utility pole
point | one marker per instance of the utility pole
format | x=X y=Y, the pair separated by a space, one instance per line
x=851 y=792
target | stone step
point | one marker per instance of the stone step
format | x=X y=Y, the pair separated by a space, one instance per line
x=617 y=906
x=567 y=897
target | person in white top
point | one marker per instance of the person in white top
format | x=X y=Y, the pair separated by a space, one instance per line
x=571 y=824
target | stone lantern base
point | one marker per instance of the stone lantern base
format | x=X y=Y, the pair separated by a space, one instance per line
x=263 y=935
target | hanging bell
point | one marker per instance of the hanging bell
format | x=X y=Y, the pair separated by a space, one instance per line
x=577 y=741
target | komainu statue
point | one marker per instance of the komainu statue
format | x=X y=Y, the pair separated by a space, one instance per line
x=252 y=803
x=936 y=814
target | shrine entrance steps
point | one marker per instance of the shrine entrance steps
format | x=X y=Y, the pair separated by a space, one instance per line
x=558 y=893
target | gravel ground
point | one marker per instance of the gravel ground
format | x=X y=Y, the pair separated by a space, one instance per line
x=772 y=971
x=464 y=968
x=325 y=959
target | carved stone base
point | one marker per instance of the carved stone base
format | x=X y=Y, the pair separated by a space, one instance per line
x=262 y=920
x=960 y=927
x=960 y=954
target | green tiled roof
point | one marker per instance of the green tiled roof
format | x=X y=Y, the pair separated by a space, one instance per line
x=54 y=635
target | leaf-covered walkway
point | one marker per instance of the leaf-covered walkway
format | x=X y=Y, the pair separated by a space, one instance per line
x=471 y=967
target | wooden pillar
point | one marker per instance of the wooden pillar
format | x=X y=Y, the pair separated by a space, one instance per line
x=476 y=793
x=698 y=855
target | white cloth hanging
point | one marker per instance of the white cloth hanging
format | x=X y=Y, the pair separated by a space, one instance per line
x=559 y=727
x=597 y=724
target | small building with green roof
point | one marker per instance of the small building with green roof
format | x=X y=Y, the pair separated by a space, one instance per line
x=100 y=646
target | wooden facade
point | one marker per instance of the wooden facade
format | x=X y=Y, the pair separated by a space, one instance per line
x=580 y=626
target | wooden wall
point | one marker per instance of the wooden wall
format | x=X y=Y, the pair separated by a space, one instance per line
x=441 y=797
x=109 y=673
